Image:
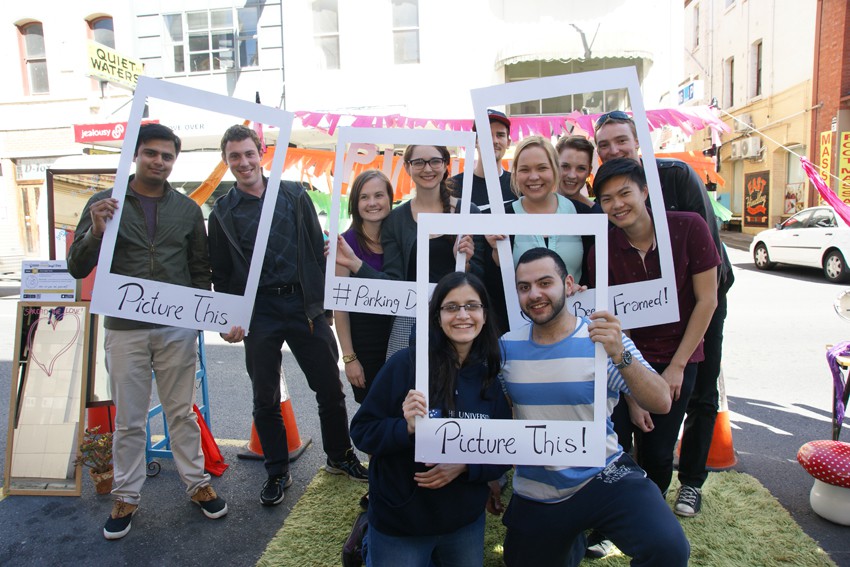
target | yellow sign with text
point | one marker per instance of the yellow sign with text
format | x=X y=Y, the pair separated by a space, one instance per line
x=844 y=166
x=107 y=64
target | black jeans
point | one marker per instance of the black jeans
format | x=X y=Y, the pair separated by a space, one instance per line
x=279 y=319
x=655 y=449
x=702 y=405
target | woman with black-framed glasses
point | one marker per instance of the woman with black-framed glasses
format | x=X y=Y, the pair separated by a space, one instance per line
x=423 y=514
x=428 y=168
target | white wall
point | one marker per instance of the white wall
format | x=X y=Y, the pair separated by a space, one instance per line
x=786 y=28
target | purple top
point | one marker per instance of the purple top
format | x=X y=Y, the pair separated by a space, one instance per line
x=376 y=261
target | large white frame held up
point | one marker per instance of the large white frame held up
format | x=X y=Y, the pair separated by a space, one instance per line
x=137 y=299
x=509 y=441
x=383 y=296
x=638 y=304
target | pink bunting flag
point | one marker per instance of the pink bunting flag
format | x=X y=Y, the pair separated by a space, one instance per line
x=826 y=193
x=333 y=121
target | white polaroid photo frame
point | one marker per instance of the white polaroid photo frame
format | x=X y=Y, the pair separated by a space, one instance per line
x=169 y=304
x=508 y=441
x=383 y=296
x=638 y=304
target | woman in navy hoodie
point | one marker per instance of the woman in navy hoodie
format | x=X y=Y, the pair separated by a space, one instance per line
x=419 y=513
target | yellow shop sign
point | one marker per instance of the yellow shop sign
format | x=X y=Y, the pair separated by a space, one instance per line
x=107 y=64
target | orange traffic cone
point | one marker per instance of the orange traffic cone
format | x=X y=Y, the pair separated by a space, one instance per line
x=722 y=455
x=297 y=444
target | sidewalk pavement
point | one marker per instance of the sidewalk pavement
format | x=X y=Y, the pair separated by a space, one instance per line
x=168 y=529
x=737 y=240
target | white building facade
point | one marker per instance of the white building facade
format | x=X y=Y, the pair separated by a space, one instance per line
x=407 y=57
x=754 y=58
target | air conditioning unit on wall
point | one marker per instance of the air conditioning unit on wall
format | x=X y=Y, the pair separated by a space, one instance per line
x=751 y=147
x=744 y=122
x=736 y=149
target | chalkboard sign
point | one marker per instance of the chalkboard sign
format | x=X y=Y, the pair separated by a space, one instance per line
x=48 y=394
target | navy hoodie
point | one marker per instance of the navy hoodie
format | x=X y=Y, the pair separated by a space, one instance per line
x=397 y=506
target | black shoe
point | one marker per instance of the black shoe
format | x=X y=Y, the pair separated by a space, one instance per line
x=211 y=503
x=272 y=493
x=688 y=501
x=598 y=546
x=120 y=520
x=350 y=466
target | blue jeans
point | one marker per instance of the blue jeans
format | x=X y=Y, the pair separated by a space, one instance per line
x=461 y=548
x=619 y=501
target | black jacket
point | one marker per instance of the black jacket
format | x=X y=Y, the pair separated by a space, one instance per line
x=683 y=190
x=230 y=266
x=397 y=506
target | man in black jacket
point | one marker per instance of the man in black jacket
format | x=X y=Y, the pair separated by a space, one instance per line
x=288 y=308
x=683 y=190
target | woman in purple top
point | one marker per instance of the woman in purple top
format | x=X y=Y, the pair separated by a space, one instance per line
x=363 y=336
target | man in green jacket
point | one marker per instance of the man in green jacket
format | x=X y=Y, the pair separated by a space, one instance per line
x=161 y=237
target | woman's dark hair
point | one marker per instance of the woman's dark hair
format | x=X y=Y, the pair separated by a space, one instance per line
x=443 y=363
x=446 y=185
x=353 y=205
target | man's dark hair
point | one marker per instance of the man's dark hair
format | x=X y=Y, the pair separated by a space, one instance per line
x=149 y=132
x=618 y=167
x=540 y=253
x=237 y=133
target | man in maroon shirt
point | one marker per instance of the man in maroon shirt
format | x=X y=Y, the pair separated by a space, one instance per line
x=673 y=349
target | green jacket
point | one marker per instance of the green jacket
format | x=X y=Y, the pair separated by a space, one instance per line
x=178 y=255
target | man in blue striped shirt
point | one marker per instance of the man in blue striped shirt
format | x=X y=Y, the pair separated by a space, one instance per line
x=548 y=372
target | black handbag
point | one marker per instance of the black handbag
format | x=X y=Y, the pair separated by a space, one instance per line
x=352 y=549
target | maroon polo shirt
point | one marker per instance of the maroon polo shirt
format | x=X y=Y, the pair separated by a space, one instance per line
x=693 y=252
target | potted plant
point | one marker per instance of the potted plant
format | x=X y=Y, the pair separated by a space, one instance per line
x=96 y=453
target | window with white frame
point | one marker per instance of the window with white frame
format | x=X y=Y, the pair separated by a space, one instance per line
x=406 y=31
x=202 y=41
x=729 y=82
x=756 y=69
x=102 y=31
x=35 y=58
x=326 y=33
x=587 y=103
x=696 y=26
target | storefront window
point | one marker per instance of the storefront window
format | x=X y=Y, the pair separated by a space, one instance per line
x=587 y=103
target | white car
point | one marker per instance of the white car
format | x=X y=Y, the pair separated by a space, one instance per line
x=814 y=237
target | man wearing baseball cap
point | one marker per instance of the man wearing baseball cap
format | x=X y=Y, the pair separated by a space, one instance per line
x=500 y=129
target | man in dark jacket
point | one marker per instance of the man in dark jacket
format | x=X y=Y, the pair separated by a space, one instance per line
x=683 y=190
x=288 y=308
x=161 y=237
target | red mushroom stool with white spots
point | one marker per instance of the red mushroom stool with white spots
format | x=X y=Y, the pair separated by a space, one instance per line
x=829 y=463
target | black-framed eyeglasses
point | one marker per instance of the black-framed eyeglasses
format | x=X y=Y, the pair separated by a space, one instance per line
x=435 y=163
x=455 y=308
x=614 y=114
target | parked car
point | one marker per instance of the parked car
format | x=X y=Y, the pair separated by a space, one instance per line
x=814 y=237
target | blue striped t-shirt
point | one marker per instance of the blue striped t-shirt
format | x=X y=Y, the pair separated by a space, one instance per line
x=555 y=382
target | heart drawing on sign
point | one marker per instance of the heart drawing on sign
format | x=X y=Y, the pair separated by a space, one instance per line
x=52 y=323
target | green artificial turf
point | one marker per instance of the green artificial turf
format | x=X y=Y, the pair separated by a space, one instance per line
x=740 y=524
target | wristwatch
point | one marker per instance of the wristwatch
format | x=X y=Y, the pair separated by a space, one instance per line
x=626 y=360
x=346 y=358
